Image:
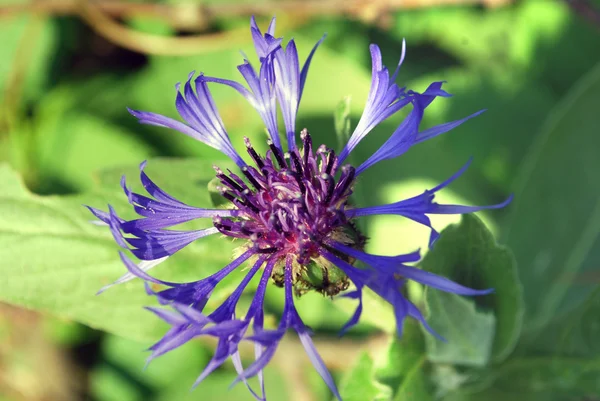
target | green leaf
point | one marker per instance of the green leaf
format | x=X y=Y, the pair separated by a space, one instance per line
x=52 y=260
x=468 y=254
x=341 y=119
x=359 y=384
x=469 y=333
x=555 y=225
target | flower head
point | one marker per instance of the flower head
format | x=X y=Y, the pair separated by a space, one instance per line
x=290 y=207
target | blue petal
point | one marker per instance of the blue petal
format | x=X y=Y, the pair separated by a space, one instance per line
x=438 y=282
x=401 y=139
x=258 y=365
x=164 y=210
x=227 y=308
x=156 y=244
x=264 y=44
x=287 y=83
x=143 y=266
x=384 y=284
x=389 y=263
x=384 y=100
x=261 y=94
x=443 y=128
x=200 y=113
x=418 y=207
x=306 y=66
x=415 y=313
x=355 y=318
x=196 y=293
x=318 y=363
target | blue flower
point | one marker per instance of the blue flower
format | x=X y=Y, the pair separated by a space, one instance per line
x=290 y=208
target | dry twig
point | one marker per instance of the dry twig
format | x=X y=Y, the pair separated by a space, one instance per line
x=99 y=15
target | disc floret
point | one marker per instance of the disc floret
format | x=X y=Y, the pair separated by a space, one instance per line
x=291 y=203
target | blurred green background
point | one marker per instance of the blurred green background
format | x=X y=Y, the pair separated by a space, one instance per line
x=69 y=69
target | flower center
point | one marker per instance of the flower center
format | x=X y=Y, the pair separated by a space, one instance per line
x=290 y=203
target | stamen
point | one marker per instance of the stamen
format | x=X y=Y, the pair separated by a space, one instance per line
x=251 y=178
x=301 y=185
x=290 y=205
x=267 y=250
x=330 y=186
x=227 y=195
x=306 y=144
x=250 y=205
x=245 y=230
x=330 y=161
x=296 y=161
x=226 y=179
x=273 y=221
x=347 y=179
x=277 y=153
x=224 y=226
x=257 y=159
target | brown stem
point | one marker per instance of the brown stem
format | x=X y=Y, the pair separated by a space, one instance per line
x=99 y=14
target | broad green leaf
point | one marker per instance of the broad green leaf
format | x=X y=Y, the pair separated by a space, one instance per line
x=468 y=254
x=555 y=225
x=469 y=332
x=54 y=261
x=360 y=384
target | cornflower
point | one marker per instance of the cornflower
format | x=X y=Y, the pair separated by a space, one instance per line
x=290 y=208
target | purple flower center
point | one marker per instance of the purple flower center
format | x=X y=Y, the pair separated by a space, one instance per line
x=292 y=201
